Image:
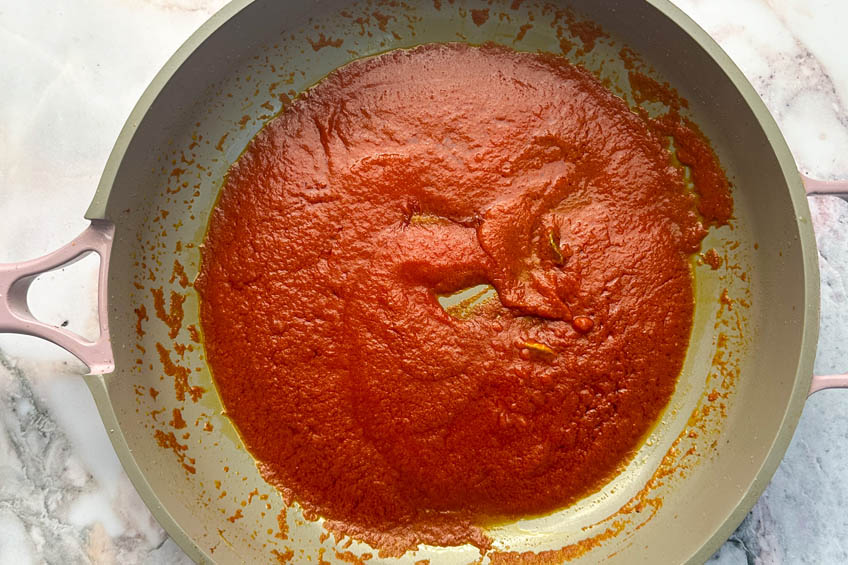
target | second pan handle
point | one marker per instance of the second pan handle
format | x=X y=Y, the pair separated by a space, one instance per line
x=816 y=187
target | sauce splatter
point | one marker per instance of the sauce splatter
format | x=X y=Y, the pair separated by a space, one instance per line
x=522 y=31
x=712 y=258
x=178 y=274
x=647 y=89
x=193 y=333
x=382 y=20
x=177 y=421
x=180 y=374
x=238 y=515
x=141 y=315
x=220 y=145
x=282 y=526
x=479 y=17
x=283 y=557
x=169 y=441
x=323 y=41
x=173 y=318
x=349 y=557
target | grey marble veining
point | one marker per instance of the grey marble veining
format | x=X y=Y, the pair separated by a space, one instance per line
x=52 y=506
x=69 y=75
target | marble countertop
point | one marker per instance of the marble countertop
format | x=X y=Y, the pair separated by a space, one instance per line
x=69 y=74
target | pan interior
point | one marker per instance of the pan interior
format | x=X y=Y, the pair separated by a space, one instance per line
x=184 y=455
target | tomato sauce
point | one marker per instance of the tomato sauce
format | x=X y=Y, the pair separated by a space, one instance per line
x=413 y=175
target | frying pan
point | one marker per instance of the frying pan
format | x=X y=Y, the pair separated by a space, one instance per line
x=748 y=368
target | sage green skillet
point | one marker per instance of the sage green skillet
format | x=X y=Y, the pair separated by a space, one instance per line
x=692 y=481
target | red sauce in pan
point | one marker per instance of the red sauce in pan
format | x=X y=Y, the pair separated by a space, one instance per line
x=420 y=173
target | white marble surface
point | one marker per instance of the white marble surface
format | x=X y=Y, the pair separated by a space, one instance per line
x=70 y=71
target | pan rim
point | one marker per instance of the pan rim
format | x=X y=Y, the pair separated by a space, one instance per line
x=809 y=258
x=99 y=386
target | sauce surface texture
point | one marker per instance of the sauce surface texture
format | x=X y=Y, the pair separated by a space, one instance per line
x=416 y=174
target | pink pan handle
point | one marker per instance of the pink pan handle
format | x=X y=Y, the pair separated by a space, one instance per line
x=15 y=279
x=832 y=188
x=816 y=187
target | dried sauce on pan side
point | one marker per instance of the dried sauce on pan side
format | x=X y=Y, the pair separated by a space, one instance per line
x=416 y=174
